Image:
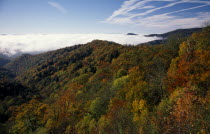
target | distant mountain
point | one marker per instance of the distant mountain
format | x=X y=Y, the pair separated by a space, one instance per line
x=178 y=33
x=182 y=32
x=131 y=34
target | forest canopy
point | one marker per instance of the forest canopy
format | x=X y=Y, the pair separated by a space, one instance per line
x=104 y=87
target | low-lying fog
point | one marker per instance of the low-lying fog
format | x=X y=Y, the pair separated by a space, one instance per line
x=36 y=43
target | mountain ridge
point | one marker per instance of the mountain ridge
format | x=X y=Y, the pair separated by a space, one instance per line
x=184 y=32
x=37 y=59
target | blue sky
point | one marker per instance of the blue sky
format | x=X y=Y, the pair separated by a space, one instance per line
x=100 y=16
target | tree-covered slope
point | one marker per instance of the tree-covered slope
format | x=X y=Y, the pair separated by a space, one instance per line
x=25 y=62
x=105 y=87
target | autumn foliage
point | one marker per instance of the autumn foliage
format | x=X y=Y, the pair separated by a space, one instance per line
x=106 y=88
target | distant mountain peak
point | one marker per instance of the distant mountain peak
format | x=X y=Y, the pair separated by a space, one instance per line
x=131 y=34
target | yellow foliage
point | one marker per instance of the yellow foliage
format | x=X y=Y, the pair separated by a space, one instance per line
x=142 y=104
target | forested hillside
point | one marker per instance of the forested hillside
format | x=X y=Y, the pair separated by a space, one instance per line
x=27 y=61
x=106 y=88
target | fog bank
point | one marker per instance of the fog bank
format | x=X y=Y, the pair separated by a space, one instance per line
x=36 y=43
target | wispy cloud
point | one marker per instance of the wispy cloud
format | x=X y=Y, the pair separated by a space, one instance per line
x=146 y=13
x=58 y=6
x=173 y=22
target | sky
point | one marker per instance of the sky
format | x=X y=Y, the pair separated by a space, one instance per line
x=100 y=16
x=35 y=26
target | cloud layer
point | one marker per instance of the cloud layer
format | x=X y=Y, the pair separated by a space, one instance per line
x=161 y=13
x=36 y=43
